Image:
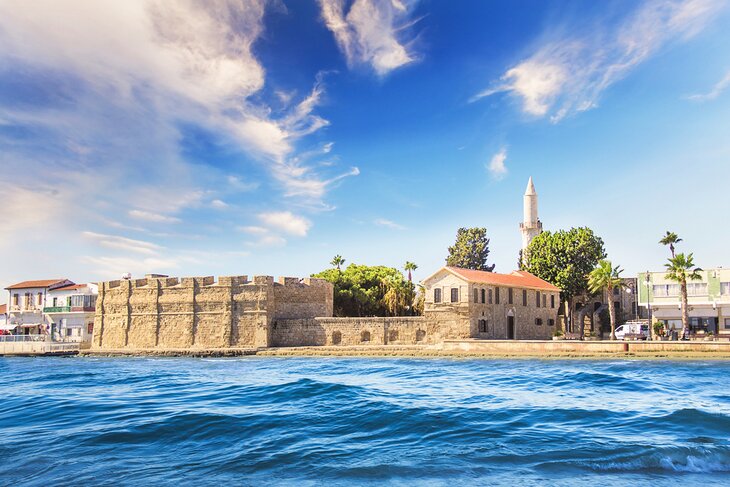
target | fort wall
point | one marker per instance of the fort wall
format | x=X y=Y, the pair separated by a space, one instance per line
x=200 y=312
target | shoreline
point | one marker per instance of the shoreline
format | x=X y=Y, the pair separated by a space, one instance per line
x=459 y=349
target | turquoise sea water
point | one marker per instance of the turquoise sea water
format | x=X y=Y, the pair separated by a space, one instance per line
x=313 y=421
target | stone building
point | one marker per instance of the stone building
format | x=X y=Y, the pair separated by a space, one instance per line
x=200 y=312
x=490 y=305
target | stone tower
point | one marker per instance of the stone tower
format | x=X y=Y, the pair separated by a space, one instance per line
x=531 y=225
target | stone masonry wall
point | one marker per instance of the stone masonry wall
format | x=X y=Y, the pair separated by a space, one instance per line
x=172 y=313
x=402 y=330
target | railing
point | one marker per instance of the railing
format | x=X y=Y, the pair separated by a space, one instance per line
x=57 y=309
x=34 y=345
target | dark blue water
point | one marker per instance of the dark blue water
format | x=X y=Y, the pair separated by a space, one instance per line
x=308 y=421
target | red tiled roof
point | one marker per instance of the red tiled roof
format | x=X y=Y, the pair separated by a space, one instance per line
x=40 y=283
x=3 y=309
x=70 y=287
x=516 y=278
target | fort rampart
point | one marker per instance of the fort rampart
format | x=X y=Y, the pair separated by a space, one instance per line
x=200 y=312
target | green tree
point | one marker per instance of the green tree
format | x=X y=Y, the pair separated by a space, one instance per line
x=606 y=277
x=359 y=289
x=337 y=262
x=670 y=238
x=680 y=269
x=470 y=251
x=564 y=259
x=419 y=301
x=410 y=266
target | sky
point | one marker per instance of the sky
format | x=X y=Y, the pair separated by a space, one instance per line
x=252 y=137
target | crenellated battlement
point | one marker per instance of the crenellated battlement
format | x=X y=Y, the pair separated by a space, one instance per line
x=194 y=312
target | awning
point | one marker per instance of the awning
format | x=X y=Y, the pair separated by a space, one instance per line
x=29 y=325
x=8 y=327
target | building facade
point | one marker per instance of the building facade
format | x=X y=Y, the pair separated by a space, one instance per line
x=489 y=305
x=26 y=301
x=70 y=311
x=708 y=301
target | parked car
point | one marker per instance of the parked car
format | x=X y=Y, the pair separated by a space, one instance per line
x=632 y=330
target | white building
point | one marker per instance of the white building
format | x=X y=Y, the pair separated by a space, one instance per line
x=70 y=311
x=26 y=301
x=4 y=319
x=708 y=301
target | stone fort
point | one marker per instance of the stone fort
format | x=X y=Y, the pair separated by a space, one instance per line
x=160 y=312
x=164 y=313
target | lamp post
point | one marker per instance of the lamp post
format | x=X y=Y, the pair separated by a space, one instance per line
x=647 y=280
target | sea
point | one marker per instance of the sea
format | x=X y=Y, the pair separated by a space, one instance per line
x=362 y=421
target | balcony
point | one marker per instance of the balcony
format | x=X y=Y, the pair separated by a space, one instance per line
x=57 y=309
x=83 y=309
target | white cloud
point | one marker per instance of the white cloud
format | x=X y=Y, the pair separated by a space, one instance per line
x=268 y=241
x=286 y=222
x=496 y=165
x=219 y=204
x=153 y=217
x=716 y=90
x=241 y=185
x=371 y=32
x=122 y=243
x=382 y=222
x=115 y=267
x=254 y=230
x=568 y=75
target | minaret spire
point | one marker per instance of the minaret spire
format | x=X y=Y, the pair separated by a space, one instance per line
x=531 y=225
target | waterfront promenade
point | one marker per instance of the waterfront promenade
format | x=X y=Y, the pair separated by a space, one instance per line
x=463 y=348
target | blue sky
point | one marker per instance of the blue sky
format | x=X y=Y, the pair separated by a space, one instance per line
x=264 y=137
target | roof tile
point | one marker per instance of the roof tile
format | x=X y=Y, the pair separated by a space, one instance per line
x=516 y=278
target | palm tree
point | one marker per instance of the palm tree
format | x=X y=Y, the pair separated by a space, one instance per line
x=410 y=266
x=337 y=261
x=679 y=269
x=607 y=277
x=670 y=239
x=395 y=296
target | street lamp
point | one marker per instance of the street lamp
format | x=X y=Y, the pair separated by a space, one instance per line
x=647 y=280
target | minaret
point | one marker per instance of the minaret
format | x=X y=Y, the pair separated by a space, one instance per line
x=531 y=225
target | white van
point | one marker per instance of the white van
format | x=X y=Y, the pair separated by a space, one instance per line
x=639 y=330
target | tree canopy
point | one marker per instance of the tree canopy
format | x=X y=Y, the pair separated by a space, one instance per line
x=564 y=258
x=471 y=249
x=362 y=290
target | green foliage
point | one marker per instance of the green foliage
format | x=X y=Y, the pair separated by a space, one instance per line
x=362 y=290
x=337 y=262
x=471 y=249
x=564 y=258
x=681 y=268
x=604 y=276
x=409 y=267
x=670 y=238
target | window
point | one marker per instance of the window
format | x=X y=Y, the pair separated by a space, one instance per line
x=365 y=336
x=727 y=323
x=90 y=328
x=437 y=295
x=725 y=288
x=544 y=298
x=490 y=297
x=666 y=290
x=26 y=300
x=551 y=322
x=524 y=297
x=552 y=301
x=697 y=289
x=615 y=291
x=336 y=337
x=537 y=298
x=483 y=296
x=55 y=302
x=482 y=326
x=40 y=299
x=496 y=295
x=454 y=294
x=538 y=321
x=476 y=295
x=510 y=295
x=15 y=299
